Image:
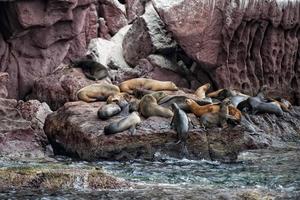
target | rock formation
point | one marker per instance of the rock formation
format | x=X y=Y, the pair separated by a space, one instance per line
x=241 y=44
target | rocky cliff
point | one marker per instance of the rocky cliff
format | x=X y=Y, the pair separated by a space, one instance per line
x=234 y=43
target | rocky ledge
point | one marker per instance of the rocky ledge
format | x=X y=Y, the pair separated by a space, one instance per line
x=75 y=130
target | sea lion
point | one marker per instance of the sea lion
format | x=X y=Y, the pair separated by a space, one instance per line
x=200 y=110
x=91 y=69
x=108 y=110
x=121 y=99
x=148 y=84
x=218 y=118
x=134 y=105
x=148 y=107
x=211 y=108
x=180 y=101
x=284 y=104
x=259 y=104
x=220 y=94
x=97 y=91
x=123 y=124
x=201 y=91
x=180 y=123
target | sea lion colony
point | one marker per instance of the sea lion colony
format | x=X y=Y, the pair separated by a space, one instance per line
x=220 y=108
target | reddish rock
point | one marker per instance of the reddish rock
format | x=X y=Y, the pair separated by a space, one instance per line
x=70 y=134
x=3 y=81
x=103 y=29
x=21 y=130
x=146 y=36
x=239 y=44
x=114 y=14
x=36 y=37
x=61 y=86
x=134 y=9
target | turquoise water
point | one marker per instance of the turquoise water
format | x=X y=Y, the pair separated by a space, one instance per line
x=275 y=171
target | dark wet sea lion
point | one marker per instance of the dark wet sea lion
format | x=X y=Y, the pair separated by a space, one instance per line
x=128 y=122
x=91 y=69
x=108 y=110
x=180 y=123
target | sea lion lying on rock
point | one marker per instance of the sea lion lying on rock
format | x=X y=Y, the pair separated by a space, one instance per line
x=128 y=122
x=220 y=118
x=212 y=108
x=97 y=91
x=201 y=91
x=148 y=107
x=148 y=84
x=108 y=110
x=91 y=69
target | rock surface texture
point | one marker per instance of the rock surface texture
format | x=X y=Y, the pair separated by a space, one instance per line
x=21 y=130
x=71 y=135
x=36 y=36
x=241 y=44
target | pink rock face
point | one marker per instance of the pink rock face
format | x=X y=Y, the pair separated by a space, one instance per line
x=61 y=87
x=243 y=44
x=114 y=15
x=134 y=9
x=36 y=36
x=21 y=130
x=3 y=82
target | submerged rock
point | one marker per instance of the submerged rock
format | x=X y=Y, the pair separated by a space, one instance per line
x=58 y=176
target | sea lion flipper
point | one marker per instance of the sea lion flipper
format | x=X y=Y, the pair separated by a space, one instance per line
x=132 y=130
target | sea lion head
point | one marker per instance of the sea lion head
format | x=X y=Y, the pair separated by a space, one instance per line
x=207 y=86
x=173 y=86
x=226 y=101
x=189 y=101
x=174 y=106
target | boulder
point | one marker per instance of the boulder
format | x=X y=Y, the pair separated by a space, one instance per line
x=21 y=130
x=146 y=36
x=36 y=36
x=70 y=135
x=61 y=86
x=134 y=9
x=241 y=44
x=109 y=52
x=4 y=77
x=114 y=14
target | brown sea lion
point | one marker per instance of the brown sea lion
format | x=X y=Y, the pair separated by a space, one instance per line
x=212 y=108
x=218 y=118
x=200 y=110
x=148 y=84
x=91 y=69
x=148 y=107
x=201 y=91
x=97 y=91
x=128 y=122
